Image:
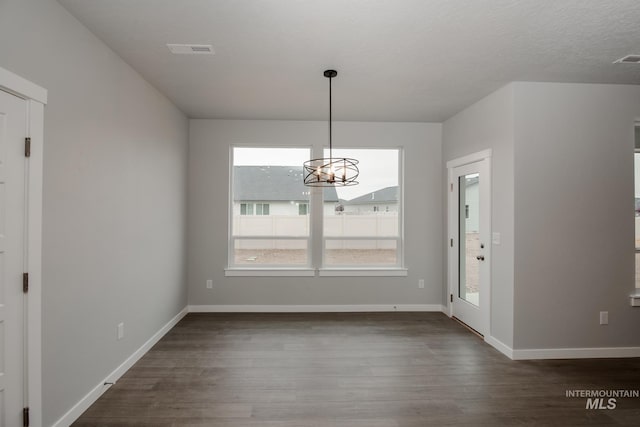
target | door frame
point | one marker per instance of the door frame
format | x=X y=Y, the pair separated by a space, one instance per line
x=452 y=230
x=35 y=99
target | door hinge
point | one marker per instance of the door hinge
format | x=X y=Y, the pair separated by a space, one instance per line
x=25 y=282
x=25 y=417
x=451 y=297
x=27 y=147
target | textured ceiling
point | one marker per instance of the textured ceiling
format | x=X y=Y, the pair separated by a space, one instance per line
x=397 y=60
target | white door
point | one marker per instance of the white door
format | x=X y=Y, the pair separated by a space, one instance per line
x=470 y=245
x=12 y=255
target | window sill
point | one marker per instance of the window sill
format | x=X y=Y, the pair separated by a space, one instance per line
x=269 y=272
x=310 y=272
x=363 y=272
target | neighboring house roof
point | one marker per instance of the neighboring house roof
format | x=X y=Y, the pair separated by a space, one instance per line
x=385 y=195
x=273 y=183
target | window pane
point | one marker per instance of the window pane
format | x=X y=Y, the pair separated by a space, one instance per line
x=469 y=238
x=251 y=252
x=271 y=181
x=368 y=210
x=361 y=252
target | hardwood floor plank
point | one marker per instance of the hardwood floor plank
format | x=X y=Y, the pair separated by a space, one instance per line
x=351 y=370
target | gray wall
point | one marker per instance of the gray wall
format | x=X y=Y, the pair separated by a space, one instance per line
x=562 y=199
x=114 y=199
x=489 y=123
x=208 y=216
x=574 y=222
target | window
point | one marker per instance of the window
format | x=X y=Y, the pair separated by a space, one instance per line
x=246 y=208
x=272 y=213
x=361 y=234
x=267 y=190
x=262 y=209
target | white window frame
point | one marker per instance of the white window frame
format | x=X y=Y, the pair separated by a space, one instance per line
x=316 y=241
x=234 y=269
x=398 y=267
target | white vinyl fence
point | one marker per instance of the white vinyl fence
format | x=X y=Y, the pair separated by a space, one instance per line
x=340 y=231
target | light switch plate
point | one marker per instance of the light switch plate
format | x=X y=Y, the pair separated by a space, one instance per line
x=495 y=238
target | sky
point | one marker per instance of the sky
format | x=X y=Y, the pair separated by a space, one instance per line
x=378 y=167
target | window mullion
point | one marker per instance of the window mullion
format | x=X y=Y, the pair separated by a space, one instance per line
x=316 y=214
x=315 y=221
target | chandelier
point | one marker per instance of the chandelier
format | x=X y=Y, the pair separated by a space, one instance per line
x=330 y=171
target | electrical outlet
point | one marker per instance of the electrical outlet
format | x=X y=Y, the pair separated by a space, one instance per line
x=421 y=283
x=604 y=317
x=209 y=284
x=120 y=328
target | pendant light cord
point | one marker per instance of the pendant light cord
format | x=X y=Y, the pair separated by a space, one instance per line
x=330 y=123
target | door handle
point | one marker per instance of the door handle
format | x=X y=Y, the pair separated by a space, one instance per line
x=480 y=257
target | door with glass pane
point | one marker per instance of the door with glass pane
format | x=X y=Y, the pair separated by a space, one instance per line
x=469 y=255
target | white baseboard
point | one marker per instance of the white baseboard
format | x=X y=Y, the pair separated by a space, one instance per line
x=84 y=403
x=562 y=353
x=499 y=345
x=313 y=308
x=576 y=353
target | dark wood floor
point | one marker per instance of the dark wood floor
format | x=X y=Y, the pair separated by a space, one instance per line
x=354 y=369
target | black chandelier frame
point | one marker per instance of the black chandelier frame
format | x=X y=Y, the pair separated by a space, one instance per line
x=331 y=171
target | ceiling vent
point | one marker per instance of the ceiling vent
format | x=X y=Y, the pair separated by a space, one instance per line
x=191 y=49
x=629 y=59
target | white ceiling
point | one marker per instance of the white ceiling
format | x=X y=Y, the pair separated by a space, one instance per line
x=397 y=60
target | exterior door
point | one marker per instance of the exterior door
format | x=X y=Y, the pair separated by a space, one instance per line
x=12 y=257
x=470 y=245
